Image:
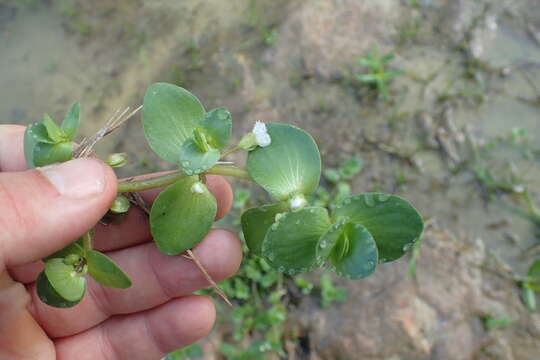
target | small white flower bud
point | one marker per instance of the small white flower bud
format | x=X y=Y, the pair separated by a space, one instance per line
x=261 y=134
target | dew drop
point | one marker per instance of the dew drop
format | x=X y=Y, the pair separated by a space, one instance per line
x=281 y=269
x=274 y=227
x=278 y=216
x=383 y=197
x=323 y=245
x=407 y=247
x=370 y=263
x=185 y=162
x=297 y=222
x=368 y=199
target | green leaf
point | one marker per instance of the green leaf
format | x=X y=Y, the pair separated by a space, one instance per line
x=331 y=175
x=170 y=114
x=291 y=164
x=351 y=167
x=394 y=74
x=69 y=284
x=194 y=160
x=182 y=215
x=68 y=250
x=367 y=78
x=55 y=133
x=534 y=269
x=529 y=298
x=257 y=221
x=387 y=58
x=71 y=122
x=392 y=221
x=34 y=134
x=105 y=271
x=291 y=243
x=45 y=154
x=49 y=296
x=217 y=123
x=350 y=248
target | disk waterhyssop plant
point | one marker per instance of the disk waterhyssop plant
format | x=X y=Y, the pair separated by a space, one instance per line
x=291 y=234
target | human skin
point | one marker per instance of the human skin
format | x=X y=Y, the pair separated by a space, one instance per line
x=42 y=211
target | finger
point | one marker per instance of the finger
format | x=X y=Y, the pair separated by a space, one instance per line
x=12 y=148
x=43 y=210
x=135 y=229
x=157 y=278
x=148 y=335
x=26 y=273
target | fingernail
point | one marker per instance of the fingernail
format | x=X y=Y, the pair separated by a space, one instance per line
x=77 y=179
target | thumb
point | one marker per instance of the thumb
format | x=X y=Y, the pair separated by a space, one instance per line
x=43 y=210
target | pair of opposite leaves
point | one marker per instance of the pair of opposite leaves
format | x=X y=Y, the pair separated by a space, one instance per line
x=363 y=231
x=62 y=283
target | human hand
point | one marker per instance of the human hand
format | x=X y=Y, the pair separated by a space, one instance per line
x=42 y=211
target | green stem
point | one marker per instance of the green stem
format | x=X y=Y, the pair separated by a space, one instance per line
x=168 y=179
x=87 y=241
x=230 y=151
x=150 y=183
x=228 y=170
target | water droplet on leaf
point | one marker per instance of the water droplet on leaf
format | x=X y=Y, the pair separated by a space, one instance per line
x=368 y=199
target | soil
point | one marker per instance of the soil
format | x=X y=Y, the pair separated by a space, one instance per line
x=472 y=75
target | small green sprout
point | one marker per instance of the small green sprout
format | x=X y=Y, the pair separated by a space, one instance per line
x=492 y=323
x=379 y=75
x=531 y=285
x=293 y=234
x=330 y=293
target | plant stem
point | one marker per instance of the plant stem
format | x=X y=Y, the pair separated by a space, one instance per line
x=227 y=170
x=150 y=183
x=87 y=241
x=230 y=151
x=167 y=179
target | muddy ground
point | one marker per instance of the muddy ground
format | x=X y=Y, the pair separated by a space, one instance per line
x=472 y=75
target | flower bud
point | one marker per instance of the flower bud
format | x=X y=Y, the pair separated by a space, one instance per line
x=72 y=259
x=117 y=160
x=120 y=205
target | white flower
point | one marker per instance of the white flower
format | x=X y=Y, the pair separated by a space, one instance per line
x=197 y=188
x=297 y=202
x=261 y=134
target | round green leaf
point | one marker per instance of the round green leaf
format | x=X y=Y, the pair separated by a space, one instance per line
x=291 y=243
x=182 y=215
x=257 y=221
x=45 y=154
x=102 y=269
x=49 y=296
x=170 y=114
x=392 y=221
x=65 y=280
x=350 y=248
x=291 y=164
x=194 y=160
x=71 y=122
x=217 y=123
x=68 y=250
